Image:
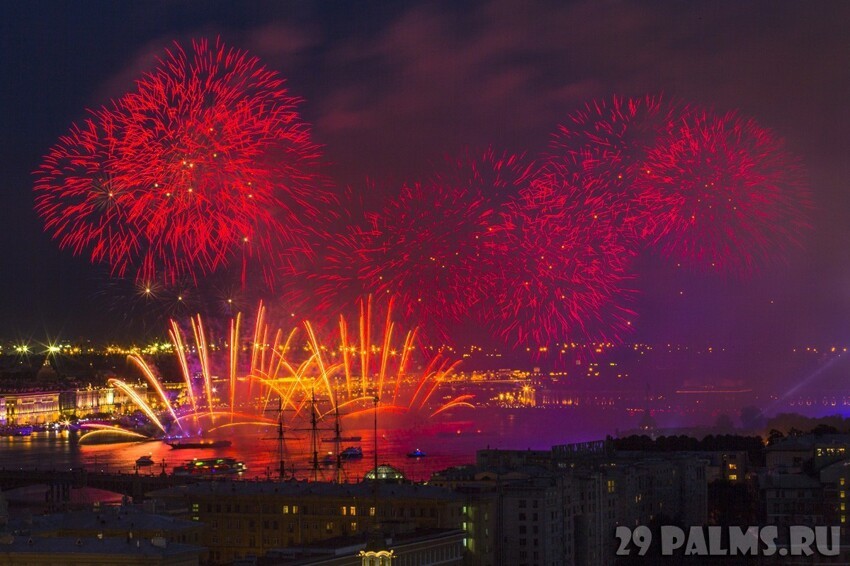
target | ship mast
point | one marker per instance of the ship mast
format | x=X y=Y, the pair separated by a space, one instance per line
x=314 y=436
x=281 y=464
x=337 y=445
x=281 y=442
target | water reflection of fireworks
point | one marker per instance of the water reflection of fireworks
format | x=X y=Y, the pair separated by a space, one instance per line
x=346 y=374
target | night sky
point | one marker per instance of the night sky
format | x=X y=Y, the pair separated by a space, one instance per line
x=390 y=87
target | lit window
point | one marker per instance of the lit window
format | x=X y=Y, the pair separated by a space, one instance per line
x=733 y=477
x=841 y=481
x=343 y=510
x=295 y=509
x=352 y=511
x=371 y=511
x=286 y=509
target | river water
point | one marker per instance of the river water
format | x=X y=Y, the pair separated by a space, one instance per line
x=448 y=442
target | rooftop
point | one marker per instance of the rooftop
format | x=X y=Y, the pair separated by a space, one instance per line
x=124 y=518
x=10 y=544
x=305 y=489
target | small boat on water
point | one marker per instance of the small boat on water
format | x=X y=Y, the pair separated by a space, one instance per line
x=144 y=461
x=210 y=467
x=20 y=430
x=416 y=454
x=351 y=453
x=183 y=444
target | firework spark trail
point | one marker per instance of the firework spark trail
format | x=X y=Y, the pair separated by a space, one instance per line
x=295 y=380
x=446 y=368
x=274 y=354
x=282 y=363
x=735 y=198
x=495 y=176
x=461 y=401
x=203 y=358
x=148 y=373
x=234 y=357
x=180 y=349
x=259 y=325
x=130 y=435
x=323 y=371
x=138 y=401
x=388 y=333
x=343 y=346
x=365 y=342
x=405 y=356
x=426 y=375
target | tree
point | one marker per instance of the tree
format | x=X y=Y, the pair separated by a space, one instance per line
x=774 y=436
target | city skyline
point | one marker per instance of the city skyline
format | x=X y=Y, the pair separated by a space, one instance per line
x=390 y=90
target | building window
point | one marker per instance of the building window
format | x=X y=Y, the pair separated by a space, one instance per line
x=286 y=509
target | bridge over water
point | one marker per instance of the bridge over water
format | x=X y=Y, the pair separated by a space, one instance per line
x=60 y=482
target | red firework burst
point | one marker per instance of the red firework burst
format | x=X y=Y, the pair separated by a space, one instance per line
x=491 y=175
x=425 y=243
x=734 y=197
x=564 y=278
x=80 y=200
x=210 y=158
x=330 y=283
x=433 y=247
x=601 y=150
